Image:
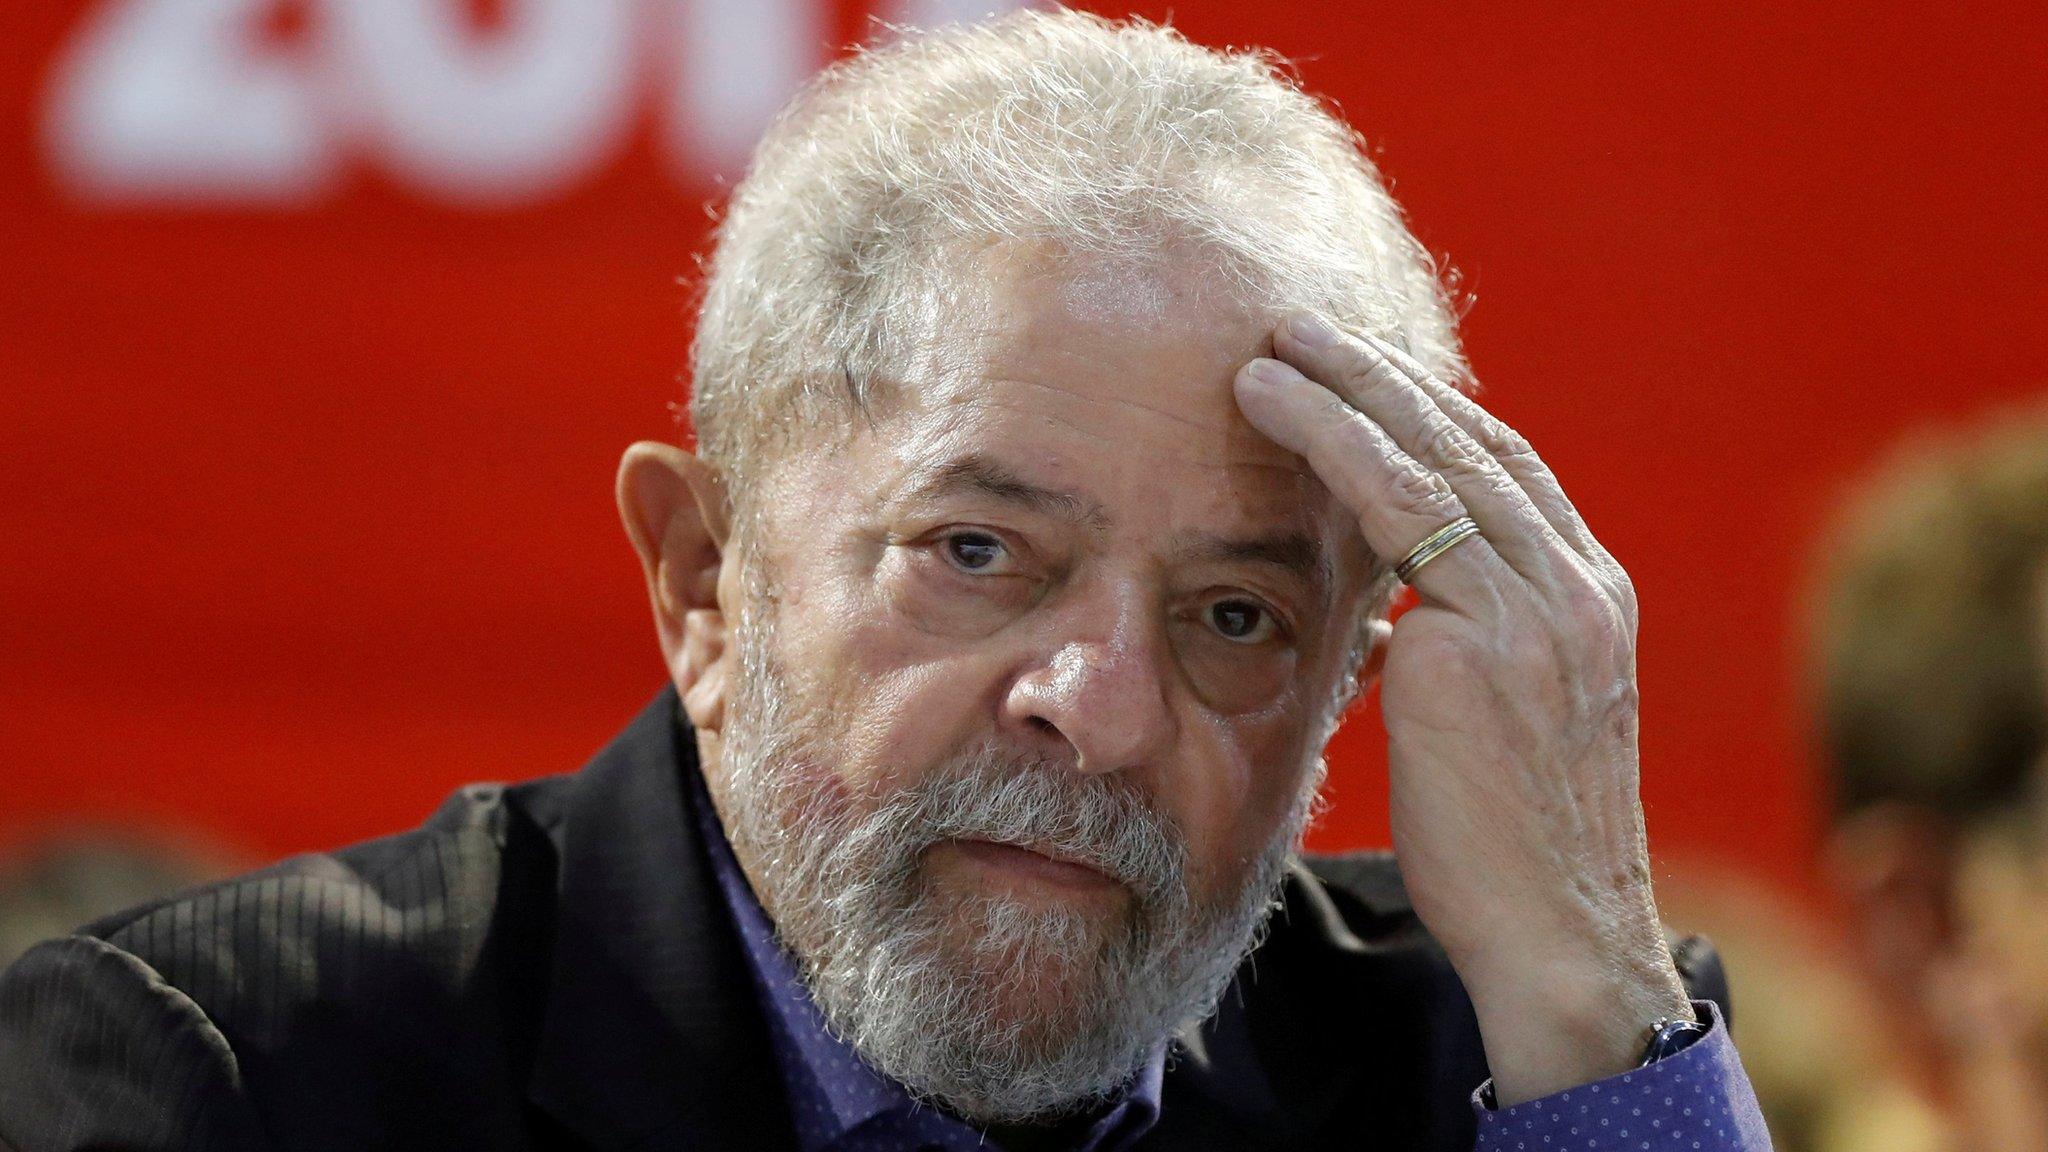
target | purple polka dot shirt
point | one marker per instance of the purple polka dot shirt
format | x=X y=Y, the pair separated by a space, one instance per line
x=1696 y=1100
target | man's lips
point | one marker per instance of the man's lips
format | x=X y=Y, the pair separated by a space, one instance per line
x=1036 y=862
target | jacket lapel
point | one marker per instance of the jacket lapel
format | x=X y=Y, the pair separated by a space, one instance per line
x=651 y=1037
x=1343 y=1029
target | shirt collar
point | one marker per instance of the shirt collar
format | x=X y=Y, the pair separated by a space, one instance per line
x=832 y=1091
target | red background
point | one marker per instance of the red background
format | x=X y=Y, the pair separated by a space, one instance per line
x=305 y=512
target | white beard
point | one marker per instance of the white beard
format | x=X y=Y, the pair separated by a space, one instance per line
x=1000 y=1011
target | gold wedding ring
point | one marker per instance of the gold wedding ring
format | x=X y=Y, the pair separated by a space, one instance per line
x=1434 y=545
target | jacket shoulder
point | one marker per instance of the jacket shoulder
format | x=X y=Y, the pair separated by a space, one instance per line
x=96 y=1051
x=1368 y=882
x=414 y=960
x=426 y=893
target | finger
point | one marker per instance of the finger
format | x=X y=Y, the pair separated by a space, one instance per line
x=1398 y=501
x=1355 y=371
x=1506 y=445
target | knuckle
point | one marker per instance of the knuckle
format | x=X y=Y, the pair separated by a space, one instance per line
x=1504 y=442
x=1618 y=579
x=1425 y=490
x=1335 y=408
x=1463 y=457
x=1347 y=432
x=1610 y=574
x=1447 y=444
x=1505 y=489
x=1599 y=618
x=1364 y=375
x=1625 y=596
x=1338 y=425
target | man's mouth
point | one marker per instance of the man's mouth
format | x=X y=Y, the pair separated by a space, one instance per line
x=1036 y=862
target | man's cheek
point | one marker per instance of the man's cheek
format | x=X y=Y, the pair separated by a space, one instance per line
x=905 y=712
x=1251 y=772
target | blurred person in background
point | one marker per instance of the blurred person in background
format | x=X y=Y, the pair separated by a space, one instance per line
x=1931 y=659
x=1071 y=401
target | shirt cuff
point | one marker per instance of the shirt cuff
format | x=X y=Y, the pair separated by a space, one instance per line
x=1695 y=1100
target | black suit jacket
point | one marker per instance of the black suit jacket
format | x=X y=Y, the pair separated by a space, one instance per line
x=548 y=966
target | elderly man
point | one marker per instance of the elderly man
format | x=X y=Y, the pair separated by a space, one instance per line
x=1070 y=402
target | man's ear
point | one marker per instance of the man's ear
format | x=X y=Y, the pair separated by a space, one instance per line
x=677 y=514
x=1379 y=630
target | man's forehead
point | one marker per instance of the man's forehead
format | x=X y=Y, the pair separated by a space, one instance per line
x=1053 y=484
x=1138 y=351
x=1098 y=392
x=1123 y=293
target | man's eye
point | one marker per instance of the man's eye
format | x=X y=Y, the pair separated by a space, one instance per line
x=973 y=551
x=1241 y=620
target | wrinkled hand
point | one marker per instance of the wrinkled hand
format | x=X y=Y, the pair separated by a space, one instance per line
x=1509 y=694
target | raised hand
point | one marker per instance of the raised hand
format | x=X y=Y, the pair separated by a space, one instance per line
x=1509 y=695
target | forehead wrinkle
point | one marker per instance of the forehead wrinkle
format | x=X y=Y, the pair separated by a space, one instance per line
x=951 y=404
x=1176 y=417
x=1227 y=436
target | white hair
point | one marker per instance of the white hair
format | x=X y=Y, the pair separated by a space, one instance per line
x=1091 y=137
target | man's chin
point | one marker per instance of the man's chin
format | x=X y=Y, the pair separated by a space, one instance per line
x=1028 y=960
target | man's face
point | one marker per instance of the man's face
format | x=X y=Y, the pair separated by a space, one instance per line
x=1057 y=558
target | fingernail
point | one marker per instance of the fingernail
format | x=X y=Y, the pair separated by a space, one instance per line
x=1313 y=331
x=1272 y=371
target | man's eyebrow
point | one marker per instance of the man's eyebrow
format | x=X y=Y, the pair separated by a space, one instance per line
x=1295 y=553
x=976 y=474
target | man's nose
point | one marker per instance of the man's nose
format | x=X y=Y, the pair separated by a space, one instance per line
x=1106 y=698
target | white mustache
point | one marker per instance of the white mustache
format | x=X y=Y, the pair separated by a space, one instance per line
x=1035 y=803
